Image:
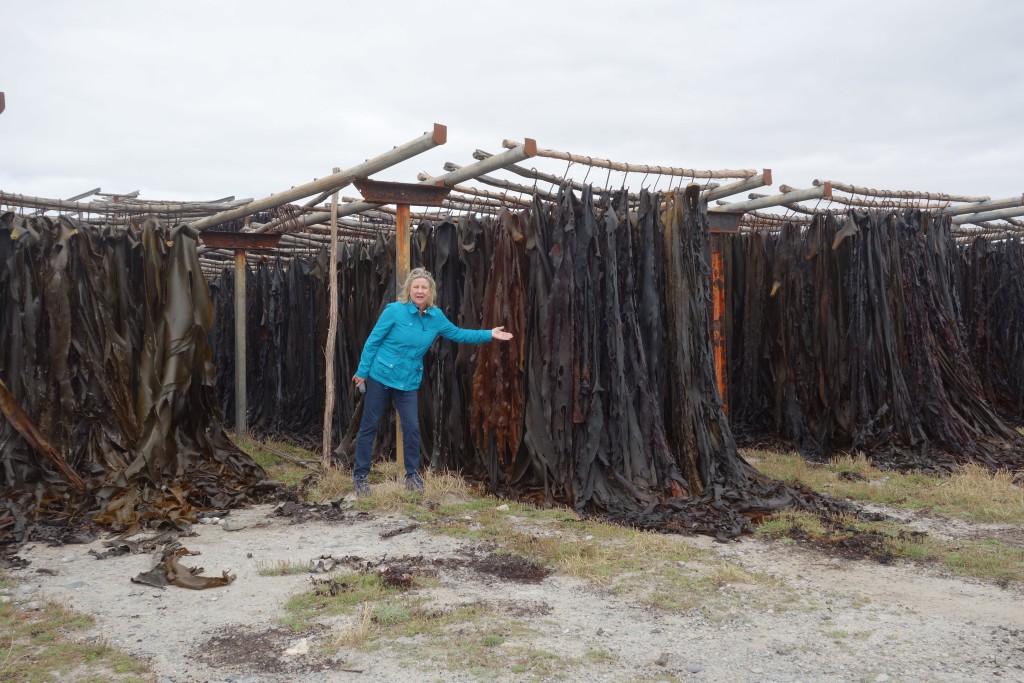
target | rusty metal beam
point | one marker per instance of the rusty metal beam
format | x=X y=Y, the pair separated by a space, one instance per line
x=385 y=192
x=247 y=241
x=720 y=222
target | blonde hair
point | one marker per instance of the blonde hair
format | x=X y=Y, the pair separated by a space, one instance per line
x=418 y=274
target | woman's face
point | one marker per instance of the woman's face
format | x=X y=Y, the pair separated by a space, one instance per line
x=419 y=292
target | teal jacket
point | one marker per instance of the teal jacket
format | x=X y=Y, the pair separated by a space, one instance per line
x=393 y=353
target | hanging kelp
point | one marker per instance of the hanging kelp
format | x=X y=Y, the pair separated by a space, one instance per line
x=605 y=399
x=991 y=290
x=597 y=434
x=103 y=344
x=857 y=344
x=497 y=405
x=721 y=489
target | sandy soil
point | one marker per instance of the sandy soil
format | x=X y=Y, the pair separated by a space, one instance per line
x=843 y=620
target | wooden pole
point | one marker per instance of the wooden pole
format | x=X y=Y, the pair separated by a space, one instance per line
x=760 y=180
x=989 y=215
x=897 y=194
x=401 y=272
x=528 y=190
x=241 y=425
x=636 y=168
x=991 y=205
x=134 y=208
x=332 y=332
x=335 y=181
x=462 y=174
x=821 y=192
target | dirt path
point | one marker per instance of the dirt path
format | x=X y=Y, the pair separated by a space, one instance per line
x=824 y=620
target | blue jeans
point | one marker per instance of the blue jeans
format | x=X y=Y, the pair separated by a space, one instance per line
x=373 y=408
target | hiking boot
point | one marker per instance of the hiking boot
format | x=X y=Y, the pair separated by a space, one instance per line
x=414 y=483
x=361 y=486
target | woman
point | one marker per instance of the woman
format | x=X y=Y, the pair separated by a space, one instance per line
x=392 y=365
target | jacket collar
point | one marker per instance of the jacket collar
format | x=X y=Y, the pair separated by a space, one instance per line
x=411 y=307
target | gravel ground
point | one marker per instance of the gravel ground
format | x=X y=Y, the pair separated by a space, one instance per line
x=827 y=619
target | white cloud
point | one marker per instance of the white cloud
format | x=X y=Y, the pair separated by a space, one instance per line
x=202 y=100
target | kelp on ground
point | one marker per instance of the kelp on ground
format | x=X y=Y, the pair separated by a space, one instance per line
x=103 y=343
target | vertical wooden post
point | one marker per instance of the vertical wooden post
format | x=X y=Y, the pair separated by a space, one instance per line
x=332 y=334
x=241 y=426
x=401 y=272
x=718 y=319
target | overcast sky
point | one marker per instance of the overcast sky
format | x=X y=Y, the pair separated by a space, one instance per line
x=198 y=100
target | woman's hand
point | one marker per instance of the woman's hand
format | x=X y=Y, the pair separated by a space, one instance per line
x=500 y=334
x=357 y=380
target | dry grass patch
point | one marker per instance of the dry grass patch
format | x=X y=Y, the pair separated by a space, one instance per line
x=46 y=645
x=338 y=594
x=282 y=568
x=388 y=489
x=472 y=638
x=972 y=493
x=279 y=458
x=355 y=634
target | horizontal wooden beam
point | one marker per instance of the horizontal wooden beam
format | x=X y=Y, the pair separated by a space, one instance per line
x=335 y=181
x=990 y=205
x=798 y=208
x=722 y=191
x=989 y=215
x=898 y=194
x=133 y=208
x=886 y=202
x=557 y=181
x=822 y=192
x=462 y=174
x=637 y=168
x=508 y=184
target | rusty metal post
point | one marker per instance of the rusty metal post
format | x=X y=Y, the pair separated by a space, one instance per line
x=718 y=320
x=402 y=251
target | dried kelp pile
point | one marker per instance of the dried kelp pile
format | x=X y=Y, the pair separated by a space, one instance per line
x=605 y=398
x=990 y=283
x=103 y=346
x=847 y=335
